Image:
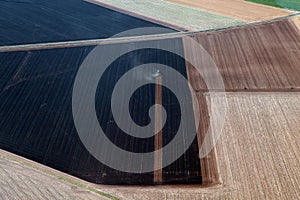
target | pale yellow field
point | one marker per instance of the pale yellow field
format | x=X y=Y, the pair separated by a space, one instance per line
x=237 y=9
x=296 y=21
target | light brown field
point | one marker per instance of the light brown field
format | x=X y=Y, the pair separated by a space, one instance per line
x=158 y=138
x=237 y=9
x=258 y=152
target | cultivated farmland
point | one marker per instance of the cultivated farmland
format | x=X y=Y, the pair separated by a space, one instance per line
x=41 y=126
x=257 y=155
x=264 y=56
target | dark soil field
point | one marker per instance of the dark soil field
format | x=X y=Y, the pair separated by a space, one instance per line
x=36 y=118
x=36 y=113
x=34 y=21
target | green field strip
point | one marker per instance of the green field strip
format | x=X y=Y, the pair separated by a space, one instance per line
x=185 y=17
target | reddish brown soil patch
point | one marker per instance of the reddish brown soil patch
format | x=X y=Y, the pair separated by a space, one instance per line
x=265 y=56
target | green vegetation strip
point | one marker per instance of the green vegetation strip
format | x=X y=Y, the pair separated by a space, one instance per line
x=288 y=4
x=60 y=177
x=83 y=186
x=166 y=12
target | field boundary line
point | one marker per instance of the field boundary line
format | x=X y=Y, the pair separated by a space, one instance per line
x=95 y=42
x=92 y=42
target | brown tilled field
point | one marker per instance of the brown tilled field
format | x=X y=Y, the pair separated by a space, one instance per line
x=254 y=57
x=237 y=9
